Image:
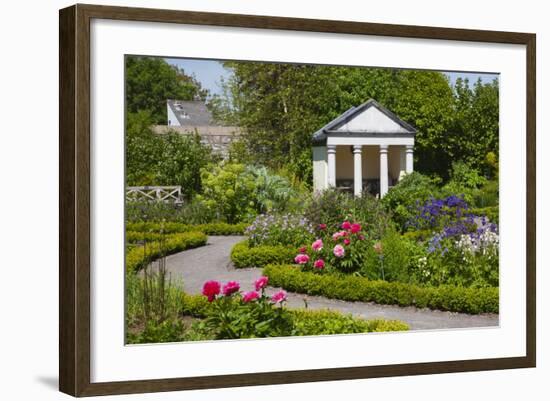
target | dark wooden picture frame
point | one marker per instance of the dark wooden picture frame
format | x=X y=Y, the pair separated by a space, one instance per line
x=74 y=203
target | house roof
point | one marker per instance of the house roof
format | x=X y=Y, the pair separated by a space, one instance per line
x=191 y=112
x=369 y=119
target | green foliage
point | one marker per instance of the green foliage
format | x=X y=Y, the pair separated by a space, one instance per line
x=181 y=159
x=191 y=212
x=242 y=255
x=475 y=125
x=172 y=228
x=273 y=192
x=353 y=288
x=393 y=262
x=281 y=105
x=280 y=229
x=332 y=207
x=323 y=322
x=140 y=256
x=167 y=159
x=229 y=189
x=487 y=195
x=150 y=81
x=230 y=318
x=404 y=198
x=464 y=181
x=492 y=212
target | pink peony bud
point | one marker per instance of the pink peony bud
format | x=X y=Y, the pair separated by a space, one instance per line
x=319 y=264
x=355 y=228
x=346 y=225
x=322 y=226
x=346 y=241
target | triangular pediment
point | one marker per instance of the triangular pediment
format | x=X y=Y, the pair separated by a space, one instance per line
x=368 y=119
x=372 y=120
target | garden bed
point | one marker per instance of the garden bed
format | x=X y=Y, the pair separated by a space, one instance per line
x=140 y=256
x=242 y=255
x=354 y=288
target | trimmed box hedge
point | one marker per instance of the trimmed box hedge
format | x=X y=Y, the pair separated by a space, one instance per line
x=309 y=322
x=242 y=255
x=140 y=256
x=171 y=228
x=353 y=288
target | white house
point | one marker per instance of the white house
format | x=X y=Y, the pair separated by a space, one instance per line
x=366 y=148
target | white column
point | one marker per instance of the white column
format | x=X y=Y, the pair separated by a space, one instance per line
x=402 y=162
x=383 y=170
x=409 y=159
x=357 y=170
x=331 y=161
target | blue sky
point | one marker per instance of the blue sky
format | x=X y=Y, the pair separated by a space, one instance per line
x=209 y=73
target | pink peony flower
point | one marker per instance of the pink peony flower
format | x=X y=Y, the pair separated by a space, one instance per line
x=317 y=245
x=250 y=296
x=322 y=226
x=355 y=228
x=278 y=297
x=346 y=225
x=301 y=259
x=339 y=251
x=302 y=249
x=210 y=289
x=319 y=264
x=261 y=283
x=346 y=241
x=230 y=288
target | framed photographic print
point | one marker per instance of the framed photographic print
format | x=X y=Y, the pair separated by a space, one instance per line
x=348 y=200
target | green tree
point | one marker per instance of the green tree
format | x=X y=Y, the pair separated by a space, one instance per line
x=150 y=81
x=143 y=149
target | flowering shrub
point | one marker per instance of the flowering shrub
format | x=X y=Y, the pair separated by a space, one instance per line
x=436 y=213
x=251 y=314
x=286 y=229
x=342 y=250
x=463 y=255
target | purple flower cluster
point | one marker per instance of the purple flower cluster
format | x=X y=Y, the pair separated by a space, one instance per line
x=434 y=210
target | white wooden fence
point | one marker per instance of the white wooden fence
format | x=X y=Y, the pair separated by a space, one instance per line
x=154 y=193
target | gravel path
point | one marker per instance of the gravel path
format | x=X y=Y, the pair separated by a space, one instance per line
x=195 y=266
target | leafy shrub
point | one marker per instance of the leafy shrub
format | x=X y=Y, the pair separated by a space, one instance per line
x=307 y=322
x=229 y=189
x=286 y=229
x=353 y=288
x=242 y=255
x=273 y=192
x=491 y=212
x=390 y=259
x=191 y=212
x=465 y=181
x=248 y=315
x=487 y=195
x=173 y=228
x=140 y=256
x=322 y=322
x=168 y=159
x=331 y=207
x=464 y=259
x=404 y=198
x=343 y=250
